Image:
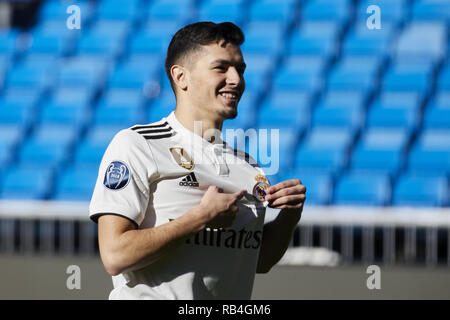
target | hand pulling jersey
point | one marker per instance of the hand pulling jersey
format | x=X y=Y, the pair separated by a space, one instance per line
x=152 y=174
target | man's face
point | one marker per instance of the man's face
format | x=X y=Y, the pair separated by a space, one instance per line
x=216 y=81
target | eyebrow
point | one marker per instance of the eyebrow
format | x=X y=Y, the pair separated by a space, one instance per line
x=228 y=62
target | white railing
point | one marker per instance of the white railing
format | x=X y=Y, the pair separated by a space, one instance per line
x=359 y=234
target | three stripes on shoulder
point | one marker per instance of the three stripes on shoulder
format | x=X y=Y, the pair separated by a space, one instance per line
x=154 y=131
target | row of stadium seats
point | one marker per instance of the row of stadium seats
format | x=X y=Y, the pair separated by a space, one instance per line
x=364 y=115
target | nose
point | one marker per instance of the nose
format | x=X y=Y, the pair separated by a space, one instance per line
x=234 y=78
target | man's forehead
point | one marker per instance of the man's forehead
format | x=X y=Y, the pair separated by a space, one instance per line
x=228 y=52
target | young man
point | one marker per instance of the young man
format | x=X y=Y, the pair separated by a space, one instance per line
x=181 y=214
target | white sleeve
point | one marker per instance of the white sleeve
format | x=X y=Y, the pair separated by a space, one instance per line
x=123 y=182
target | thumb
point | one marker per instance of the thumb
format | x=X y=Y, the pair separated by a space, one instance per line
x=239 y=194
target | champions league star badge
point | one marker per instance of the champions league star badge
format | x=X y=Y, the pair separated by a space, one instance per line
x=117 y=175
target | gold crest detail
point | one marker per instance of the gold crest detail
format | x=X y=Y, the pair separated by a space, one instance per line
x=182 y=158
x=261 y=178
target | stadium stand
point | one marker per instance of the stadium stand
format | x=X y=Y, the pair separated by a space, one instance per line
x=363 y=114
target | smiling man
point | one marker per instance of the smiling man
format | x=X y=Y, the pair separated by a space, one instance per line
x=180 y=213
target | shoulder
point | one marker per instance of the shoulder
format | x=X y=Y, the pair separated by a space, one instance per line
x=138 y=134
x=153 y=131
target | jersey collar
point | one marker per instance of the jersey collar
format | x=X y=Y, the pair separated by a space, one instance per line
x=198 y=140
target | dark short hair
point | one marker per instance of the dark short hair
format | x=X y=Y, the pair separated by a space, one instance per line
x=191 y=37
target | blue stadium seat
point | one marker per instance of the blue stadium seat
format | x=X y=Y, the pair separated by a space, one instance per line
x=380 y=117
x=48 y=147
x=83 y=71
x=76 y=183
x=393 y=11
x=22 y=182
x=285 y=109
x=6 y=155
x=8 y=41
x=33 y=74
x=263 y=38
x=395 y=99
x=437 y=118
x=136 y=72
x=50 y=41
x=342 y=99
x=324 y=150
x=57 y=10
x=408 y=77
x=117 y=97
x=120 y=116
x=90 y=150
x=331 y=10
x=152 y=39
x=441 y=100
x=421 y=191
x=339 y=109
x=444 y=78
x=174 y=10
x=363 y=41
x=431 y=10
x=300 y=73
x=431 y=36
x=105 y=39
x=431 y=152
x=17 y=107
x=10 y=136
x=336 y=117
x=68 y=106
x=355 y=73
x=276 y=144
x=120 y=10
x=219 y=11
x=257 y=73
x=314 y=38
x=363 y=189
x=273 y=10
x=319 y=186
x=381 y=150
x=161 y=106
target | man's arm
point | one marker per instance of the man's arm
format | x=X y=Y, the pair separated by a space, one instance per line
x=288 y=196
x=125 y=248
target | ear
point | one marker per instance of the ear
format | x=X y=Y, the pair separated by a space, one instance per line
x=179 y=76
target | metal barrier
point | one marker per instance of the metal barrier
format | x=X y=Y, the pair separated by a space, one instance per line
x=388 y=236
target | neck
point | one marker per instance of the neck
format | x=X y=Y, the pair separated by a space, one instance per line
x=197 y=122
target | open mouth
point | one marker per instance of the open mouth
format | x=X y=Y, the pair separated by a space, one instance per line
x=229 y=97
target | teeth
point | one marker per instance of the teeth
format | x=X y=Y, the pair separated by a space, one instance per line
x=228 y=95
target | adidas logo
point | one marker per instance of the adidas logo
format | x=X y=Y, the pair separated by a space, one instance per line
x=189 y=181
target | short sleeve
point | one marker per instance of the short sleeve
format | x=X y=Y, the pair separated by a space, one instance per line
x=125 y=174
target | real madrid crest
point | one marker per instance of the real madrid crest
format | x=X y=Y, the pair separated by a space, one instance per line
x=259 y=190
x=182 y=158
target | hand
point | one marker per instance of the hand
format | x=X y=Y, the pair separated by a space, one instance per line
x=219 y=209
x=289 y=194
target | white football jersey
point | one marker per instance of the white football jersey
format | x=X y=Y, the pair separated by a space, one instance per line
x=152 y=174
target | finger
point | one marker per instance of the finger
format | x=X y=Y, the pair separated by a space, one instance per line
x=292 y=200
x=213 y=188
x=297 y=189
x=239 y=194
x=282 y=185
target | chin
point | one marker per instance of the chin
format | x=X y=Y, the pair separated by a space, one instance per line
x=228 y=114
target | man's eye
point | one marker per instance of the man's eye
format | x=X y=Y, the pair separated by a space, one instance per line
x=220 y=68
